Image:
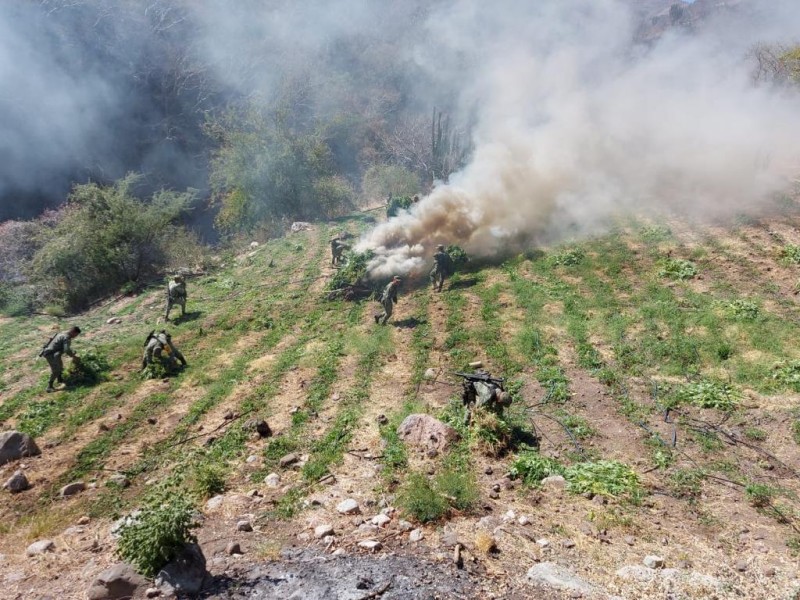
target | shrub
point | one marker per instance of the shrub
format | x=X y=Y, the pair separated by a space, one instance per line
x=790 y=253
x=398 y=203
x=709 y=394
x=158 y=533
x=686 y=483
x=677 y=268
x=746 y=310
x=759 y=495
x=532 y=467
x=788 y=374
x=208 y=480
x=458 y=486
x=420 y=500
x=382 y=181
x=568 y=257
x=491 y=433
x=604 y=478
x=655 y=233
x=90 y=368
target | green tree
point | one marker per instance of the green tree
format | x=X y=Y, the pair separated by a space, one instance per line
x=107 y=238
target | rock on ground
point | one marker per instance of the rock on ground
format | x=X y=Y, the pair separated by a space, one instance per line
x=185 y=574
x=117 y=582
x=15 y=445
x=71 y=489
x=554 y=575
x=348 y=507
x=40 y=547
x=427 y=432
x=16 y=483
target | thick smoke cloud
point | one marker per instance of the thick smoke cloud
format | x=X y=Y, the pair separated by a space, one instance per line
x=577 y=123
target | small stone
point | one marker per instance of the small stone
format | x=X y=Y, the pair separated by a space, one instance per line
x=368 y=529
x=233 y=548
x=494 y=495
x=651 y=561
x=416 y=535
x=71 y=489
x=16 y=483
x=769 y=572
x=576 y=594
x=251 y=459
x=214 y=502
x=488 y=470
x=254 y=493
x=259 y=426
x=431 y=453
x=229 y=416
x=404 y=525
x=544 y=543
x=244 y=525
x=496 y=487
x=272 y=480
x=348 y=507
x=523 y=520
x=113 y=321
x=152 y=592
x=152 y=420
x=568 y=544
x=430 y=374
x=321 y=531
x=741 y=565
x=288 y=460
x=629 y=539
x=40 y=547
x=303 y=537
x=381 y=520
x=509 y=516
x=382 y=419
x=599 y=500
x=371 y=545
x=84 y=520
x=449 y=538
x=119 y=480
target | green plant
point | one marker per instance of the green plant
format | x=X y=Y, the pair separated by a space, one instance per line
x=383 y=181
x=709 y=394
x=677 y=268
x=604 y=477
x=687 y=483
x=353 y=272
x=419 y=499
x=458 y=486
x=755 y=434
x=398 y=203
x=746 y=310
x=491 y=432
x=759 y=495
x=155 y=535
x=532 y=467
x=790 y=253
x=89 y=369
x=655 y=233
x=796 y=431
x=568 y=257
x=788 y=374
x=208 y=480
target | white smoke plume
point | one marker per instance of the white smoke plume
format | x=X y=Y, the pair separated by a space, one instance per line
x=577 y=123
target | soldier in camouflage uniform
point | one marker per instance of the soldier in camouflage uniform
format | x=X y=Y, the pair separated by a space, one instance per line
x=160 y=346
x=388 y=300
x=176 y=294
x=337 y=249
x=52 y=352
x=442 y=267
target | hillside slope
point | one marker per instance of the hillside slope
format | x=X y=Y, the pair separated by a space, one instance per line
x=666 y=347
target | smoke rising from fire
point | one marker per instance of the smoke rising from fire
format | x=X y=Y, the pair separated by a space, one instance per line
x=577 y=123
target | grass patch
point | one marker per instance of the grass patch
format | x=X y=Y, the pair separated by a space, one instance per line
x=605 y=478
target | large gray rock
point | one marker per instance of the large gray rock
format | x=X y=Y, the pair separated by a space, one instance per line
x=427 y=432
x=17 y=483
x=553 y=575
x=117 y=582
x=15 y=445
x=185 y=574
x=71 y=489
x=40 y=547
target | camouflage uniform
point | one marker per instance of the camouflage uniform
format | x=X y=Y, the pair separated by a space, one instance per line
x=160 y=346
x=53 y=352
x=441 y=268
x=337 y=249
x=388 y=299
x=176 y=294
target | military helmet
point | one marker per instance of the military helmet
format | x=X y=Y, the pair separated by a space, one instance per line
x=440 y=247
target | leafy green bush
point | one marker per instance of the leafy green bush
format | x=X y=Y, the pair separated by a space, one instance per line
x=208 y=480
x=791 y=253
x=677 y=268
x=759 y=495
x=398 y=203
x=420 y=500
x=655 y=233
x=354 y=271
x=709 y=394
x=568 y=257
x=105 y=239
x=16 y=299
x=458 y=486
x=532 y=467
x=90 y=368
x=381 y=181
x=158 y=533
x=687 y=483
x=788 y=374
x=746 y=310
x=604 y=478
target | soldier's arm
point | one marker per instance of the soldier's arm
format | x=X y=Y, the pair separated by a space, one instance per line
x=68 y=348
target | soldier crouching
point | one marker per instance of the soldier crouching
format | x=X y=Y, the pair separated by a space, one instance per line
x=159 y=346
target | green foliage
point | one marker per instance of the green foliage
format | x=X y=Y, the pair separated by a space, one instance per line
x=419 y=499
x=687 y=483
x=788 y=374
x=604 y=478
x=458 y=486
x=755 y=434
x=106 y=239
x=532 y=467
x=709 y=394
x=157 y=370
x=790 y=253
x=655 y=233
x=90 y=368
x=491 y=432
x=353 y=272
x=578 y=426
x=398 y=203
x=568 y=257
x=759 y=495
x=677 y=268
x=796 y=431
x=747 y=310
x=158 y=533
x=382 y=181
x=208 y=480
x=265 y=169
x=16 y=299
x=458 y=255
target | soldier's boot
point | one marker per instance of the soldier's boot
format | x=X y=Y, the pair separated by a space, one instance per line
x=377 y=319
